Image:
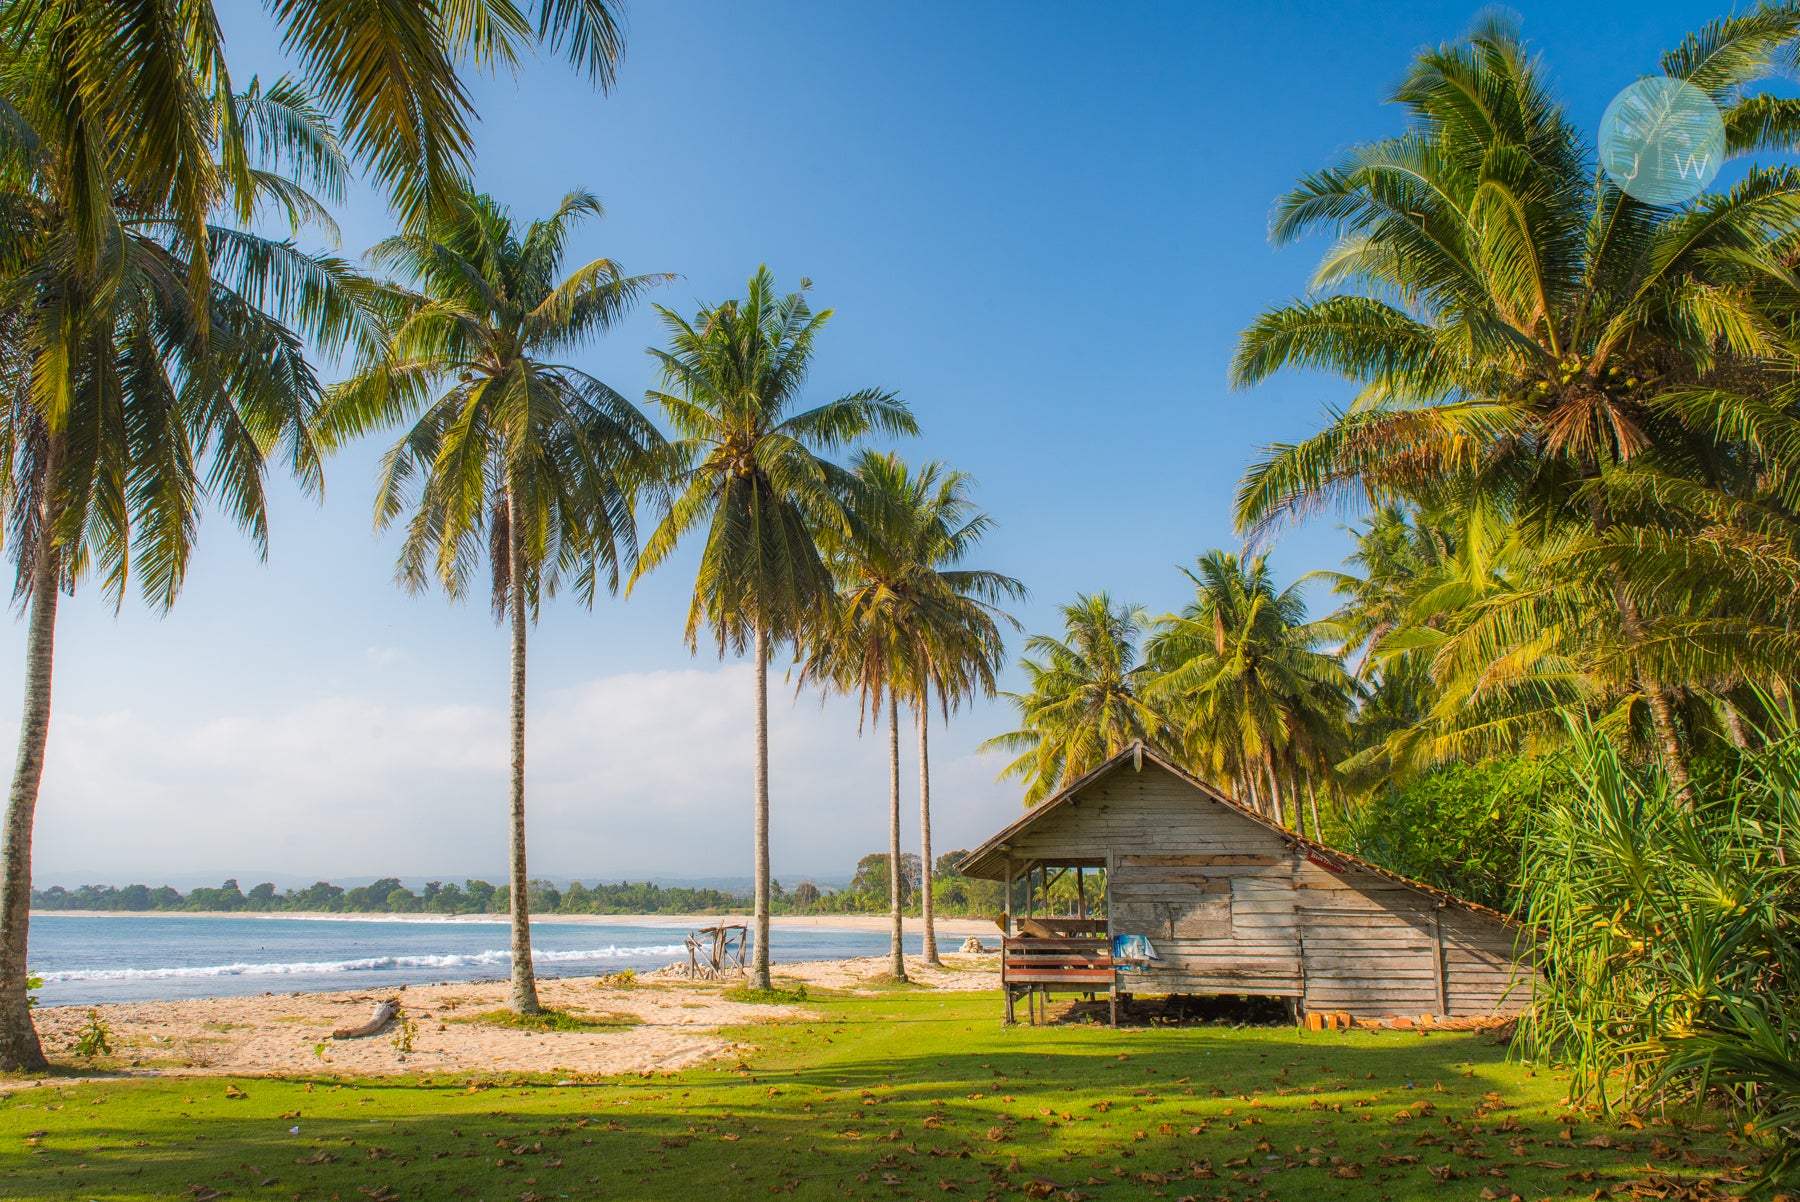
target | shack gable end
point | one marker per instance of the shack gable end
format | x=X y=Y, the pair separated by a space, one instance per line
x=1139 y=813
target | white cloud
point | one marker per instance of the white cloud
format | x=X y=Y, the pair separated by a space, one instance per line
x=629 y=775
x=384 y=657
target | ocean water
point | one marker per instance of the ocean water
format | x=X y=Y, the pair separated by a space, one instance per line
x=85 y=959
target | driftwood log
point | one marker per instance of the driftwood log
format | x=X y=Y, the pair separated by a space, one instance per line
x=384 y=1014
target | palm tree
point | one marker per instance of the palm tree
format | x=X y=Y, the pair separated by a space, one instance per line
x=144 y=83
x=510 y=453
x=960 y=646
x=1087 y=700
x=142 y=383
x=1255 y=692
x=1513 y=317
x=908 y=621
x=747 y=465
x=1415 y=574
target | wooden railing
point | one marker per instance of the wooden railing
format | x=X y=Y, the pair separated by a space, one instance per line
x=1060 y=928
x=1078 y=962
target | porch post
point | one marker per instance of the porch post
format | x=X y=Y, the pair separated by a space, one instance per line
x=1112 y=990
x=1007 y=929
x=1030 y=990
x=1005 y=934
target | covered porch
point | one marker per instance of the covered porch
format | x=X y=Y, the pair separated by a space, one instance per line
x=1056 y=945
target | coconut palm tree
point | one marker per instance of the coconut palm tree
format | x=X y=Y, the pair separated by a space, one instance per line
x=511 y=454
x=1255 y=693
x=862 y=645
x=1087 y=699
x=747 y=465
x=908 y=622
x=131 y=93
x=1514 y=317
x=1415 y=574
x=143 y=383
x=960 y=647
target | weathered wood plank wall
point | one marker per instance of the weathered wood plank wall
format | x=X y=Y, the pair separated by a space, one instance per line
x=1234 y=907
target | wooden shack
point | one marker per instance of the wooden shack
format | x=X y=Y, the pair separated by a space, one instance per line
x=1233 y=903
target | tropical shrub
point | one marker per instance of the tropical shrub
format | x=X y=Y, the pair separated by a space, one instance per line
x=1461 y=827
x=94 y=1038
x=1668 y=936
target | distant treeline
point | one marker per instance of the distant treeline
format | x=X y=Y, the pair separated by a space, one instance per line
x=867 y=893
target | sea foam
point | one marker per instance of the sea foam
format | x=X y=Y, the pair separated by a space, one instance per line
x=487 y=959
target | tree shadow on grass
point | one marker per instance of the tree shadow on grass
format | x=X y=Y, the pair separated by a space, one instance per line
x=911 y=1099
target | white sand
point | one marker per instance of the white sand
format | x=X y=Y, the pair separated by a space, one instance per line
x=277 y=1034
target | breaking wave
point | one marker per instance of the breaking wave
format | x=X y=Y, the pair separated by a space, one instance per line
x=489 y=959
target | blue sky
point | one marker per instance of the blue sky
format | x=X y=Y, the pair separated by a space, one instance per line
x=1043 y=224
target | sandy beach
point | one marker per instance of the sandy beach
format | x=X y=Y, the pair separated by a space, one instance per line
x=677 y=1024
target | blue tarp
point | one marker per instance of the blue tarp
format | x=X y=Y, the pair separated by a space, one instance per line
x=1133 y=952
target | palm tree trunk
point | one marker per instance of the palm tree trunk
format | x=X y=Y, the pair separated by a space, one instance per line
x=759 y=956
x=1274 y=791
x=1312 y=803
x=1734 y=725
x=930 y=949
x=896 y=949
x=1662 y=713
x=524 y=974
x=20 y=1050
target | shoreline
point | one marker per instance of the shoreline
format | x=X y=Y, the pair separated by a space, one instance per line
x=912 y=925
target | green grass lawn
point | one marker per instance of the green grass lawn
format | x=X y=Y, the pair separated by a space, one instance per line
x=909 y=1095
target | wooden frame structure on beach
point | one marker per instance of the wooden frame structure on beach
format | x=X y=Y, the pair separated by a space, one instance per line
x=718 y=951
x=1233 y=903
